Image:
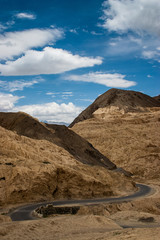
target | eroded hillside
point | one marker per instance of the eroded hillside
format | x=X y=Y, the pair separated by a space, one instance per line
x=129 y=138
x=39 y=169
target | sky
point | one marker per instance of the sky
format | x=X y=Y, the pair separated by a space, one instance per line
x=58 y=56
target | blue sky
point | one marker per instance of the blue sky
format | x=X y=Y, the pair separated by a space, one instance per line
x=56 y=56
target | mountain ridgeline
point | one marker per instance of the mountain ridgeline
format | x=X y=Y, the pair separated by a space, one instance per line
x=122 y=99
x=82 y=150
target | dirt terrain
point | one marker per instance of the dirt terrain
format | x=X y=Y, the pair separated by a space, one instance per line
x=97 y=222
x=128 y=137
x=52 y=162
x=130 y=140
x=40 y=170
x=46 y=162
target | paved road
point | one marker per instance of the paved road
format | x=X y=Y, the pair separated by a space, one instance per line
x=25 y=212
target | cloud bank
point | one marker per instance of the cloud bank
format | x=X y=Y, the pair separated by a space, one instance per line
x=51 y=112
x=140 y=20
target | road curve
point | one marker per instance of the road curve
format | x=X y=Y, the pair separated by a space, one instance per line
x=25 y=212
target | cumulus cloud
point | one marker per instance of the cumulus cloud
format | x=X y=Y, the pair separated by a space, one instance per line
x=52 y=112
x=49 y=61
x=109 y=80
x=18 y=84
x=16 y=43
x=140 y=16
x=140 y=19
x=24 y=15
x=7 y=101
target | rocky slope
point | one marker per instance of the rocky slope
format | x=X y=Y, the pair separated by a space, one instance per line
x=83 y=151
x=39 y=166
x=128 y=138
x=116 y=99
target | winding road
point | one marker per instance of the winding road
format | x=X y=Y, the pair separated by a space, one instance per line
x=25 y=212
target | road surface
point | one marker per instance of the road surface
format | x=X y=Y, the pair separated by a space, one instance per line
x=25 y=212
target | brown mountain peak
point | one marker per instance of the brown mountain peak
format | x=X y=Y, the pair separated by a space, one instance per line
x=123 y=99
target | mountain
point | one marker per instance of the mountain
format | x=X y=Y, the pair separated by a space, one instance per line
x=123 y=125
x=44 y=162
x=119 y=99
x=83 y=151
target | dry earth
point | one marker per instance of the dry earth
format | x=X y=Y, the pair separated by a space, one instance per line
x=35 y=168
x=92 y=223
x=39 y=170
x=130 y=140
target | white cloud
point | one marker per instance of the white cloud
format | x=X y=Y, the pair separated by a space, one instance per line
x=51 y=111
x=140 y=16
x=49 y=61
x=96 y=33
x=109 y=80
x=73 y=31
x=68 y=93
x=6 y=25
x=149 y=76
x=7 y=101
x=18 y=84
x=2 y=27
x=16 y=43
x=24 y=15
x=86 y=100
x=137 y=17
x=151 y=55
x=50 y=93
x=64 y=95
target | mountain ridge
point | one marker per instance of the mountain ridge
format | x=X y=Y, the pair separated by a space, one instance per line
x=81 y=149
x=123 y=99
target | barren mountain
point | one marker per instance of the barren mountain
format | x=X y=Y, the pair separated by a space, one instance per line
x=83 y=151
x=125 y=130
x=118 y=99
x=49 y=162
x=43 y=162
